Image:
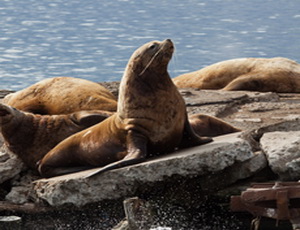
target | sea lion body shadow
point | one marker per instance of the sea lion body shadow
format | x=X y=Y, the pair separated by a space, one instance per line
x=151 y=119
x=278 y=74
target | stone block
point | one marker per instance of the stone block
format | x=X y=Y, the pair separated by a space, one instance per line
x=283 y=153
x=78 y=189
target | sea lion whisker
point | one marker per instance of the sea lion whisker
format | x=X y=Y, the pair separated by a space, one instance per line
x=151 y=60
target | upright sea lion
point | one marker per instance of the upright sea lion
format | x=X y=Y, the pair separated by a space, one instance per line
x=151 y=119
x=279 y=74
x=62 y=95
x=31 y=136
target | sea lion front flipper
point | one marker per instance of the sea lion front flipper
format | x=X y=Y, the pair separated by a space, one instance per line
x=59 y=171
x=136 y=153
x=190 y=138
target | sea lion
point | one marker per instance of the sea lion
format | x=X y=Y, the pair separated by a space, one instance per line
x=278 y=74
x=31 y=136
x=62 y=95
x=205 y=125
x=151 y=119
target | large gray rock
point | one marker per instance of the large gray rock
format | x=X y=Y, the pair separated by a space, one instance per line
x=10 y=164
x=240 y=170
x=76 y=189
x=283 y=153
x=20 y=192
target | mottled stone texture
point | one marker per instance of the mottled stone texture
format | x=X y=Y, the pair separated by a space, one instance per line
x=283 y=152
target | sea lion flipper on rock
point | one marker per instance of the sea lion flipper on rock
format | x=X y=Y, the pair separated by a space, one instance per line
x=136 y=153
x=62 y=170
x=137 y=148
x=191 y=138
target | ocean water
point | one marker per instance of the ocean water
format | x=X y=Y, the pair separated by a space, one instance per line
x=93 y=39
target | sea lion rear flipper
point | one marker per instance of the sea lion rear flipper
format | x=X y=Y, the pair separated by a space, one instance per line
x=136 y=153
x=190 y=138
x=249 y=82
x=209 y=126
x=89 y=118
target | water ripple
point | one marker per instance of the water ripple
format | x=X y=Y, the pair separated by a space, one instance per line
x=94 y=39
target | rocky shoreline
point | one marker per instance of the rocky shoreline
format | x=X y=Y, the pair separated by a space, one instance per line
x=267 y=149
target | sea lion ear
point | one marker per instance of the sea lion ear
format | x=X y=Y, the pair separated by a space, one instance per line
x=89 y=118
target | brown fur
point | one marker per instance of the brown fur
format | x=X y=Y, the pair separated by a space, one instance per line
x=205 y=125
x=31 y=136
x=255 y=74
x=151 y=119
x=62 y=95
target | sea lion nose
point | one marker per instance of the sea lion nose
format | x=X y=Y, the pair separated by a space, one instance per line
x=170 y=44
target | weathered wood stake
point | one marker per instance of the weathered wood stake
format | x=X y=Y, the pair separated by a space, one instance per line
x=138 y=215
x=10 y=223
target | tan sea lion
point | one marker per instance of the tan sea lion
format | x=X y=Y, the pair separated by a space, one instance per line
x=31 y=136
x=62 y=95
x=278 y=74
x=151 y=119
x=205 y=125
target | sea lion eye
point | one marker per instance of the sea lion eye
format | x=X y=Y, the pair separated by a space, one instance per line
x=153 y=46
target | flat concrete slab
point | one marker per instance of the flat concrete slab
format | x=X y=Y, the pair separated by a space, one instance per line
x=78 y=190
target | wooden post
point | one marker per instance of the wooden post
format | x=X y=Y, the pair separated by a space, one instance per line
x=10 y=223
x=139 y=216
x=138 y=213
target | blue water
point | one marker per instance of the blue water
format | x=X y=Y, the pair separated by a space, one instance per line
x=94 y=39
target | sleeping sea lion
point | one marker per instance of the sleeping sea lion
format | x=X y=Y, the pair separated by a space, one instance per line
x=278 y=74
x=62 y=95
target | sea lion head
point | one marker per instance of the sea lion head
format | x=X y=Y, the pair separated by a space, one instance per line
x=149 y=56
x=7 y=113
x=145 y=78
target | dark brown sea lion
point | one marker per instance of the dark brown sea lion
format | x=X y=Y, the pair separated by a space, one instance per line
x=151 y=119
x=31 y=136
x=279 y=74
x=205 y=125
x=62 y=95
